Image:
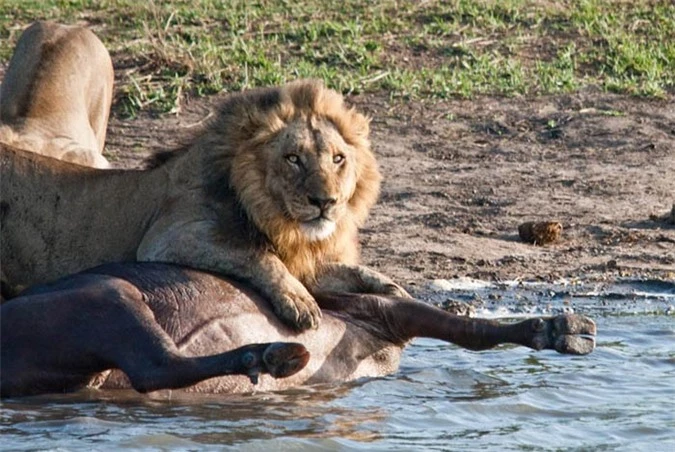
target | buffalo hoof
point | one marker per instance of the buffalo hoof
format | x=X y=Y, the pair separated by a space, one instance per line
x=569 y=334
x=279 y=359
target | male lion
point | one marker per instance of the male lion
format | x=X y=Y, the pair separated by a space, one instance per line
x=56 y=95
x=271 y=192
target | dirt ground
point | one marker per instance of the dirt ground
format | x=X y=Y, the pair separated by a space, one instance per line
x=460 y=176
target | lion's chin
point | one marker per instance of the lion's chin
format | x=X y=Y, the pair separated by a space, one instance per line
x=317 y=230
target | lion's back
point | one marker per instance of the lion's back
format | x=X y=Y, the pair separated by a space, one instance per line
x=56 y=94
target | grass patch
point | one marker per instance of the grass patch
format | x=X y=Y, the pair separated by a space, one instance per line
x=164 y=51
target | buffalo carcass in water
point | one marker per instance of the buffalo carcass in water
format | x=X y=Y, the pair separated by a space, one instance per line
x=150 y=321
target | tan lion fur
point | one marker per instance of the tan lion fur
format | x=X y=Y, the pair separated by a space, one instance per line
x=56 y=94
x=242 y=199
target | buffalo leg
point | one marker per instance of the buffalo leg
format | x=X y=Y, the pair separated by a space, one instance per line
x=405 y=319
x=279 y=359
x=58 y=339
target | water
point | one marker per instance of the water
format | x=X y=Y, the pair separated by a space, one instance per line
x=621 y=397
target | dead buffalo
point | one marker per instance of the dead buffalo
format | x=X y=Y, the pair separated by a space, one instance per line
x=165 y=326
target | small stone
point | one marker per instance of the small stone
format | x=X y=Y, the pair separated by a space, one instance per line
x=540 y=233
x=458 y=308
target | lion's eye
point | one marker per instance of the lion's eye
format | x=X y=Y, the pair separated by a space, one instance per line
x=293 y=159
x=338 y=158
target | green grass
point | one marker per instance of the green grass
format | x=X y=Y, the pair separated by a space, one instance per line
x=167 y=50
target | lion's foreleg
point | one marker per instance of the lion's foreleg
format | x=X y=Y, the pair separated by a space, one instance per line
x=188 y=244
x=291 y=300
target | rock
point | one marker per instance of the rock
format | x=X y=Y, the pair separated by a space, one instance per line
x=540 y=233
x=457 y=307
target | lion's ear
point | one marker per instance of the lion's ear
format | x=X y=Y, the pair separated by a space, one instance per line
x=244 y=116
x=354 y=127
x=359 y=123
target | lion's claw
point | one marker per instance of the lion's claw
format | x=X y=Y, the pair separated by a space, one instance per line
x=299 y=311
x=570 y=334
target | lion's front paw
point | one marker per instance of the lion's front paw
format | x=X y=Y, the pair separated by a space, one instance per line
x=297 y=308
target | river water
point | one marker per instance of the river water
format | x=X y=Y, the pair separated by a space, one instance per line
x=620 y=397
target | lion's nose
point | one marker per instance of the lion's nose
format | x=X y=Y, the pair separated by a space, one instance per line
x=321 y=203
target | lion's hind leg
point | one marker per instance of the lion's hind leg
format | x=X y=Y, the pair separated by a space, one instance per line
x=57 y=92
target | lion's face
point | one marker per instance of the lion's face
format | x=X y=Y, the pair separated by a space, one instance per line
x=311 y=175
x=300 y=164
